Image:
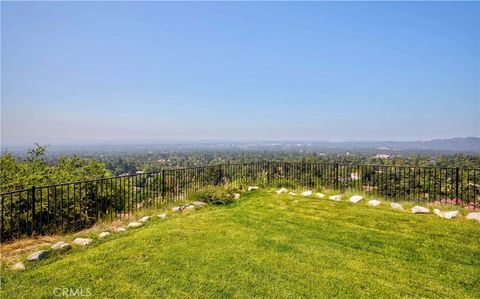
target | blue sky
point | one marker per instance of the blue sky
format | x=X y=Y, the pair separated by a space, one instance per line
x=136 y=72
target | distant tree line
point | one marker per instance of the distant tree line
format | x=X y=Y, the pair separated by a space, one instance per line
x=131 y=162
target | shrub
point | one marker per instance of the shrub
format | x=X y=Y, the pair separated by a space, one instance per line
x=214 y=195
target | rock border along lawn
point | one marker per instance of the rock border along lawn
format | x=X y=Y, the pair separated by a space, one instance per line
x=396 y=206
x=82 y=241
x=337 y=197
x=85 y=242
x=375 y=203
x=446 y=214
x=355 y=198
x=63 y=246
x=104 y=234
x=307 y=193
x=420 y=210
x=39 y=255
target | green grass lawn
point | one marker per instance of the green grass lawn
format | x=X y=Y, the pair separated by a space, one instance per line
x=269 y=245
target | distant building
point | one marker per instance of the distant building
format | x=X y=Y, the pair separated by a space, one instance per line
x=382 y=156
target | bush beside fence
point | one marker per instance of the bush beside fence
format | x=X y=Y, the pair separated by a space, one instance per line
x=73 y=206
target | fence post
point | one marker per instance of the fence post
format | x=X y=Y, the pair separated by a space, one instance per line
x=33 y=209
x=220 y=174
x=456 y=184
x=336 y=176
x=269 y=173
x=163 y=183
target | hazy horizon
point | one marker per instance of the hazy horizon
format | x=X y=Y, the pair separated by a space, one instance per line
x=125 y=72
x=200 y=141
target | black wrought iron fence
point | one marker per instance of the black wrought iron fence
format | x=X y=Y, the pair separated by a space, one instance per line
x=72 y=206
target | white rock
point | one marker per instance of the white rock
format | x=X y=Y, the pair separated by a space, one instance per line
x=356 y=198
x=162 y=216
x=18 y=266
x=82 y=241
x=177 y=209
x=474 y=216
x=374 y=203
x=236 y=196
x=307 y=193
x=200 y=203
x=446 y=215
x=39 y=255
x=292 y=193
x=452 y=214
x=420 y=210
x=61 y=246
x=321 y=195
x=104 y=234
x=335 y=197
x=144 y=219
x=134 y=224
x=252 y=188
x=397 y=206
x=281 y=190
x=120 y=229
x=190 y=207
